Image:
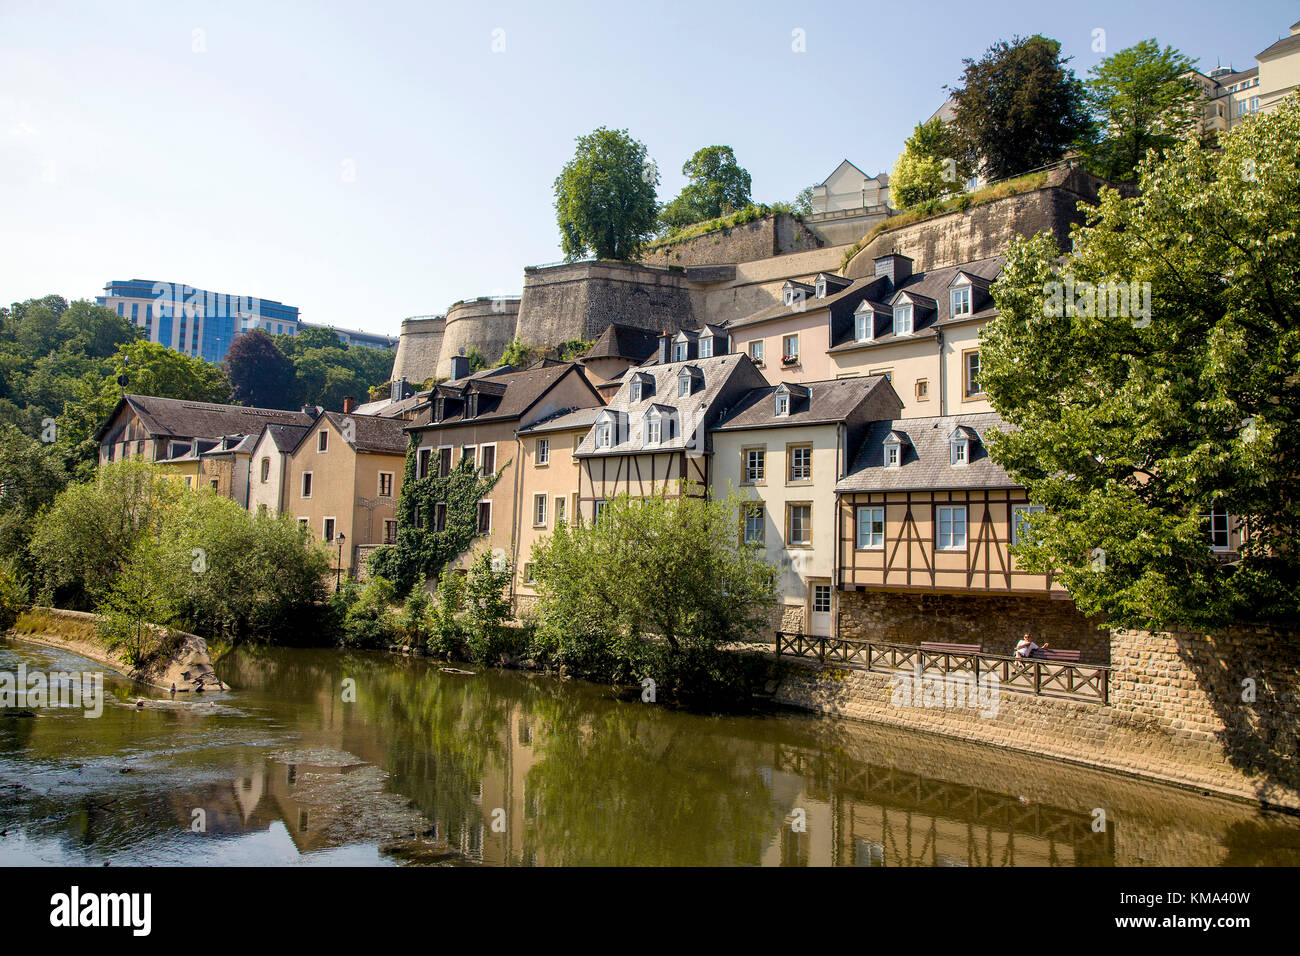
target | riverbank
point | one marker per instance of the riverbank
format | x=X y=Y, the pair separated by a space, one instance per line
x=1177 y=713
x=183 y=663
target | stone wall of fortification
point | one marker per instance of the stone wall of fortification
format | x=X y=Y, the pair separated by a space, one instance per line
x=776 y=235
x=418 y=348
x=487 y=322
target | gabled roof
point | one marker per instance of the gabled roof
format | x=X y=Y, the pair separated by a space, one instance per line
x=1284 y=45
x=882 y=177
x=828 y=402
x=582 y=418
x=848 y=297
x=522 y=390
x=285 y=437
x=178 y=418
x=624 y=342
x=926 y=464
x=370 y=433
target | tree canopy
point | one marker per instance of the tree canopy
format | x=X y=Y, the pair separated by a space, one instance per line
x=934 y=164
x=1129 y=428
x=1141 y=101
x=1020 y=107
x=718 y=186
x=605 y=197
x=260 y=374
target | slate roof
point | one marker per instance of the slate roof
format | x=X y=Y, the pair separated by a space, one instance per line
x=177 y=418
x=925 y=458
x=521 y=391
x=827 y=403
x=849 y=297
x=724 y=379
x=561 y=421
x=625 y=342
x=286 y=437
x=1284 y=45
x=370 y=433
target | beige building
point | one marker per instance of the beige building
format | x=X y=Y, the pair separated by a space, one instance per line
x=1233 y=96
x=269 y=464
x=784 y=448
x=343 y=478
x=849 y=188
x=477 y=417
x=546 y=485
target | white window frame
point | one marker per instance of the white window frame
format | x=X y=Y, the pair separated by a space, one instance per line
x=328 y=521
x=306 y=484
x=322 y=441
x=605 y=434
x=478 y=506
x=1018 y=513
x=782 y=404
x=1211 y=517
x=752 y=509
x=560 y=510
x=540 y=505
x=380 y=489
x=874 y=541
x=683 y=384
x=959 y=452
x=756 y=348
x=706 y=346
x=482 y=455
x=954 y=511
x=964 y=292
x=653 y=430
x=786 y=352
x=893 y=454
x=752 y=475
x=681 y=351
x=904 y=319
x=543 y=454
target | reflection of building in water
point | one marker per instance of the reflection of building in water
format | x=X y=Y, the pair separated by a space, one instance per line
x=866 y=815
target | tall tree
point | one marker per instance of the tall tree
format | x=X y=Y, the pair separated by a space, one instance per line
x=934 y=164
x=1020 y=107
x=1142 y=101
x=605 y=197
x=1134 y=419
x=260 y=374
x=718 y=186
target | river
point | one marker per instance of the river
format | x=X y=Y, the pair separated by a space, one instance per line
x=327 y=757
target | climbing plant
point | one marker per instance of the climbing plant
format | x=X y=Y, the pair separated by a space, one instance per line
x=421 y=552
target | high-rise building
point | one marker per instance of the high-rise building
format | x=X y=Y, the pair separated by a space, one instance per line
x=205 y=324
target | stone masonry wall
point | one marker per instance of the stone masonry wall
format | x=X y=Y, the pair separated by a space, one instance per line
x=770 y=236
x=1176 y=712
x=487 y=322
x=995 y=622
x=418 y=348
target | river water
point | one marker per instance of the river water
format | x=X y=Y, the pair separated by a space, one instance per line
x=328 y=757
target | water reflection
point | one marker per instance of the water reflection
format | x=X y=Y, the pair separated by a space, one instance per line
x=424 y=766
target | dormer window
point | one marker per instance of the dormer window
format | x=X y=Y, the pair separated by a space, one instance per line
x=439 y=409
x=959 y=300
x=787 y=294
x=864 y=323
x=605 y=435
x=782 y=403
x=893 y=454
x=820 y=287
x=903 y=319
x=680 y=351
x=634 y=392
x=653 y=431
x=959 y=451
x=706 y=346
x=472 y=406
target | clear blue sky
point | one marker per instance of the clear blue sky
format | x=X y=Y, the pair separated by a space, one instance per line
x=124 y=153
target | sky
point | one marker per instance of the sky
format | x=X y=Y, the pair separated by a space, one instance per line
x=368 y=161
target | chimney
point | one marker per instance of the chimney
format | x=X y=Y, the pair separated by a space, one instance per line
x=665 y=347
x=459 y=367
x=312 y=410
x=397 y=390
x=349 y=404
x=896 y=266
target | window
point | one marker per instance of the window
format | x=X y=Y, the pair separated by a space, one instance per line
x=959 y=299
x=958 y=449
x=322 y=440
x=1018 y=524
x=634 y=392
x=213 y=484
x=444 y=461
x=801 y=463
x=864 y=324
x=306 y=484
x=390 y=532
x=903 y=319
x=560 y=506
x=440 y=516
x=598 y=509
x=755 y=523
x=821 y=599
x=304 y=525
x=543 y=451
x=893 y=454
x=790 y=350
x=266 y=470
x=798 y=525
x=971 y=369
x=922 y=390
x=539 y=511
x=385 y=484
x=328 y=529
x=681 y=351
x=871 y=528
x=782 y=403
x=951 y=527
x=1216 y=529
x=484 y=517
x=467 y=452
x=756 y=351
x=683 y=383
x=755 y=465
x=652 y=431
x=487 y=462
x=424 y=462
x=604 y=435
x=528 y=574
x=706 y=346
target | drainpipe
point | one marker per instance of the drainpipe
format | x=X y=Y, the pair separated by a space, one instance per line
x=514 y=521
x=841 y=455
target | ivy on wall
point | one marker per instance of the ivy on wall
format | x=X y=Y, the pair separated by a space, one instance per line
x=421 y=552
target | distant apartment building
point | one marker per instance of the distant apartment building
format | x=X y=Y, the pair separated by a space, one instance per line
x=1232 y=96
x=849 y=188
x=205 y=324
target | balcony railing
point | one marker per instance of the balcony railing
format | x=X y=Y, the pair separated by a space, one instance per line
x=1044 y=678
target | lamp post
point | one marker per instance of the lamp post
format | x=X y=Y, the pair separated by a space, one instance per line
x=338 y=571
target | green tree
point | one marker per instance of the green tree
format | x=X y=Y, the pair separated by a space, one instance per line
x=933 y=165
x=519 y=354
x=487 y=609
x=717 y=186
x=1142 y=101
x=1129 y=429
x=260 y=374
x=32 y=473
x=803 y=201
x=655 y=589
x=1020 y=107
x=605 y=197
x=139 y=599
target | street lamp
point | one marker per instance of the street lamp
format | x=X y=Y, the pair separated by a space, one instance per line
x=338 y=571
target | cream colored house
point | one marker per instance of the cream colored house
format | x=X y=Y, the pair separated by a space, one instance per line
x=343 y=478
x=847 y=188
x=784 y=448
x=268 y=486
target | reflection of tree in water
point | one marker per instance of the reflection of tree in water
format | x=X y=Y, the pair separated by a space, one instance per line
x=630 y=785
x=1268 y=841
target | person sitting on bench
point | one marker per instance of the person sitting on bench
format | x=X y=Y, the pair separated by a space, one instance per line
x=1027 y=648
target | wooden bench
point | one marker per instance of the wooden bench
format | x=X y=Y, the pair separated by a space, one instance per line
x=942 y=648
x=1052 y=654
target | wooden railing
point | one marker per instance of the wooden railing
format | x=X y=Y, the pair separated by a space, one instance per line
x=1046 y=678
